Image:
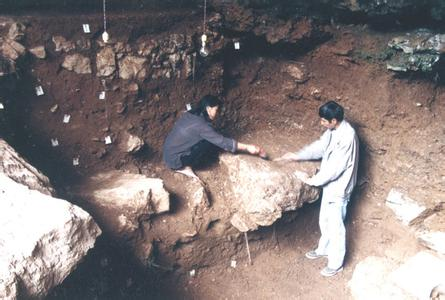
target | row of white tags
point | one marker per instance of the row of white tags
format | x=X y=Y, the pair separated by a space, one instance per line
x=40 y=92
x=76 y=160
x=192 y=272
x=55 y=142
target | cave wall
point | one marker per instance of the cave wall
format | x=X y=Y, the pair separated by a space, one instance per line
x=429 y=10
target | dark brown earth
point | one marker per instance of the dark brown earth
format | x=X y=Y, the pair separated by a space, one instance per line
x=400 y=121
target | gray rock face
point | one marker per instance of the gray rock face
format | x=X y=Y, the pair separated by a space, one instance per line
x=421 y=51
x=38 y=252
x=121 y=201
x=77 y=63
x=263 y=190
x=62 y=45
x=38 y=52
x=106 y=62
x=42 y=240
x=16 y=168
x=132 y=67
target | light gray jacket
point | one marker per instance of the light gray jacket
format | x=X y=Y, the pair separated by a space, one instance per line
x=338 y=151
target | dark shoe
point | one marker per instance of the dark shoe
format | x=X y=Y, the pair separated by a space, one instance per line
x=328 y=272
x=313 y=255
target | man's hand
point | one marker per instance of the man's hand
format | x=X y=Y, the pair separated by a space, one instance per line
x=302 y=176
x=287 y=157
x=253 y=149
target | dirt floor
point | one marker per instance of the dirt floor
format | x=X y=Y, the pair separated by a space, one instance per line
x=399 y=121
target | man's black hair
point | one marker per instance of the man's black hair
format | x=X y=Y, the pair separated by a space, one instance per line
x=331 y=110
x=206 y=101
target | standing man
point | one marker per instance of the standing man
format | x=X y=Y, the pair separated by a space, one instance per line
x=338 y=150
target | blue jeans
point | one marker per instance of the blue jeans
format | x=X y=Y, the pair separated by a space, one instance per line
x=332 y=227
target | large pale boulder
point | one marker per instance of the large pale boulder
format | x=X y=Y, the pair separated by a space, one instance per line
x=42 y=240
x=263 y=190
x=370 y=280
x=106 y=62
x=132 y=67
x=15 y=167
x=420 y=274
x=120 y=202
x=77 y=63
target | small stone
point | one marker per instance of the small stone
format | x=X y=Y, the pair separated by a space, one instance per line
x=121 y=107
x=38 y=52
x=54 y=108
x=77 y=63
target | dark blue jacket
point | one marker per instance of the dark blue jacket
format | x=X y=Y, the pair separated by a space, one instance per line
x=189 y=130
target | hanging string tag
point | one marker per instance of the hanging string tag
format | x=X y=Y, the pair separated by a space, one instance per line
x=236 y=45
x=105 y=35
x=39 y=90
x=66 y=118
x=75 y=161
x=108 y=140
x=54 y=142
x=102 y=95
x=188 y=106
x=86 y=28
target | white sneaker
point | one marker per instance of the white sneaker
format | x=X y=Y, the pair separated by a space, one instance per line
x=187 y=171
x=328 y=272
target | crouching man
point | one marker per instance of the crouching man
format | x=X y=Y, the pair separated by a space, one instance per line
x=338 y=150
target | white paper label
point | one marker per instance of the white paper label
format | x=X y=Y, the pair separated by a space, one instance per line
x=1 y=106
x=233 y=263
x=237 y=46
x=102 y=95
x=86 y=28
x=39 y=90
x=188 y=106
x=75 y=161
x=54 y=142
x=192 y=273
x=108 y=140
x=66 y=118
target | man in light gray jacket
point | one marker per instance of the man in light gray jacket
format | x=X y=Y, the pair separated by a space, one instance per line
x=338 y=150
